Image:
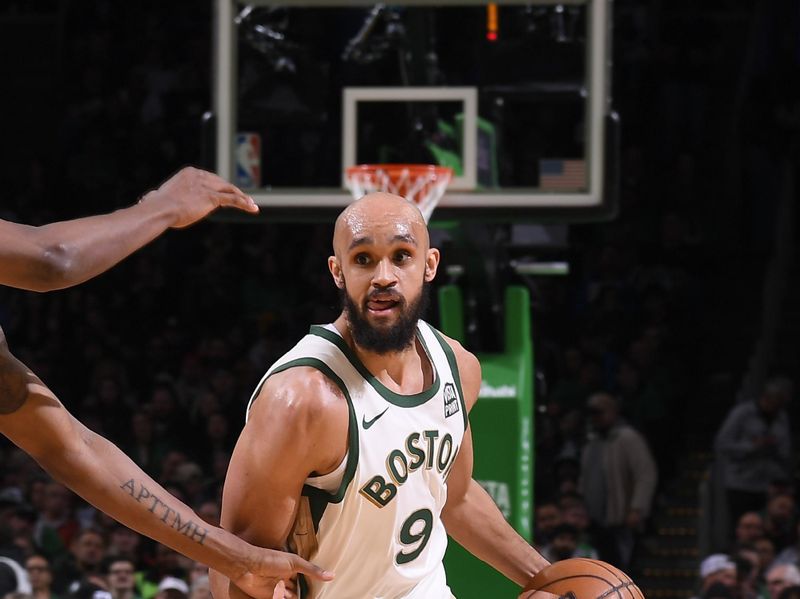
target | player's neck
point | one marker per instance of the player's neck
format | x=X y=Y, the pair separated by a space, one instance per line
x=407 y=371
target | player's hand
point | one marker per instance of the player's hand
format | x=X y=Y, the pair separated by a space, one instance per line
x=192 y=194
x=272 y=571
x=537 y=595
x=529 y=593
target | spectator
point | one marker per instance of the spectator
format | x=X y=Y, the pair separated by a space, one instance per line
x=780 y=486
x=165 y=564
x=547 y=518
x=205 y=403
x=200 y=589
x=110 y=405
x=779 y=522
x=567 y=472
x=164 y=409
x=766 y=553
x=568 y=500
x=218 y=438
x=566 y=544
x=618 y=480
x=83 y=567
x=189 y=476
x=754 y=445
x=197 y=571
x=56 y=527
x=169 y=469
x=749 y=529
x=569 y=394
x=717 y=570
x=41 y=578
x=17 y=520
x=781 y=577
x=121 y=581
x=13 y=578
x=37 y=489
x=23 y=521
x=578 y=516
x=748 y=572
x=124 y=543
x=172 y=588
x=791 y=555
x=144 y=448
x=792 y=592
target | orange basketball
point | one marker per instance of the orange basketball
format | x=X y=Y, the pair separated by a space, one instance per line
x=580 y=578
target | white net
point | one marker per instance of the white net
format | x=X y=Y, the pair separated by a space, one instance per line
x=419 y=183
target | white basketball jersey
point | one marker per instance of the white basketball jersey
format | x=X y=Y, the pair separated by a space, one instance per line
x=381 y=532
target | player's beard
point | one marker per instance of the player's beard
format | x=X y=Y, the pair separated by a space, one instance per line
x=398 y=336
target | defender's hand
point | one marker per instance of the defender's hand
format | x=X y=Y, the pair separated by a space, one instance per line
x=269 y=571
x=192 y=194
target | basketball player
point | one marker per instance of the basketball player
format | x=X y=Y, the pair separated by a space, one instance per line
x=363 y=428
x=67 y=253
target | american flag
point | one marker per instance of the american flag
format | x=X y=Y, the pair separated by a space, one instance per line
x=555 y=173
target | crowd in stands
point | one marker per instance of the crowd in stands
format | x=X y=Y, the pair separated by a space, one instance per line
x=161 y=353
x=759 y=556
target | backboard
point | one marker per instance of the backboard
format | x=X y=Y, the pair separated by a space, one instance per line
x=513 y=96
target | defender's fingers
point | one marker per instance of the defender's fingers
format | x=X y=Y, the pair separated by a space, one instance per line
x=279 y=591
x=219 y=184
x=232 y=200
x=303 y=567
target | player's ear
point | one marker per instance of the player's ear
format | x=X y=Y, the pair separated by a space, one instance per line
x=336 y=272
x=431 y=264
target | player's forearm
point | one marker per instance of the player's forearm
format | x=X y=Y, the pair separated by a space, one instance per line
x=100 y=473
x=72 y=252
x=478 y=526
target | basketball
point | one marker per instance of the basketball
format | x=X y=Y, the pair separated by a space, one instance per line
x=581 y=578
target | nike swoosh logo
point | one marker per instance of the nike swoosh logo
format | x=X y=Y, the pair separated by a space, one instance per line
x=368 y=423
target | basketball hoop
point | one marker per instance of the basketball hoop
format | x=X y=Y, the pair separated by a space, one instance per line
x=423 y=184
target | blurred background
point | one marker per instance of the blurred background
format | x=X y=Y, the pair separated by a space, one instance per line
x=675 y=315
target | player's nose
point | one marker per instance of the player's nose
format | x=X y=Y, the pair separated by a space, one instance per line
x=385 y=275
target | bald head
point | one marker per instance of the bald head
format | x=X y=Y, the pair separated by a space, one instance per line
x=603 y=410
x=602 y=401
x=361 y=221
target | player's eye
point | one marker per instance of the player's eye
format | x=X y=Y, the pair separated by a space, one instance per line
x=361 y=259
x=402 y=256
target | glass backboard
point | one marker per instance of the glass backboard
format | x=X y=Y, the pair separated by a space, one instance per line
x=513 y=96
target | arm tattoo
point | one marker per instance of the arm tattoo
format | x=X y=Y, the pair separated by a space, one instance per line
x=163 y=512
x=13 y=383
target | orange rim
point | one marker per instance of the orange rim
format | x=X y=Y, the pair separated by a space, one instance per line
x=396 y=169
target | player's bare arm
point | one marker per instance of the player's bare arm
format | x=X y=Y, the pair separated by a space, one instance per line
x=470 y=516
x=35 y=420
x=63 y=254
x=297 y=426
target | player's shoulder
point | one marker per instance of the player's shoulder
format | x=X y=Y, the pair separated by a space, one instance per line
x=303 y=395
x=466 y=360
x=469 y=369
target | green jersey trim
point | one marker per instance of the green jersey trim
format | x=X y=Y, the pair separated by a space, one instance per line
x=352 y=433
x=402 y=401
x=451 y=359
